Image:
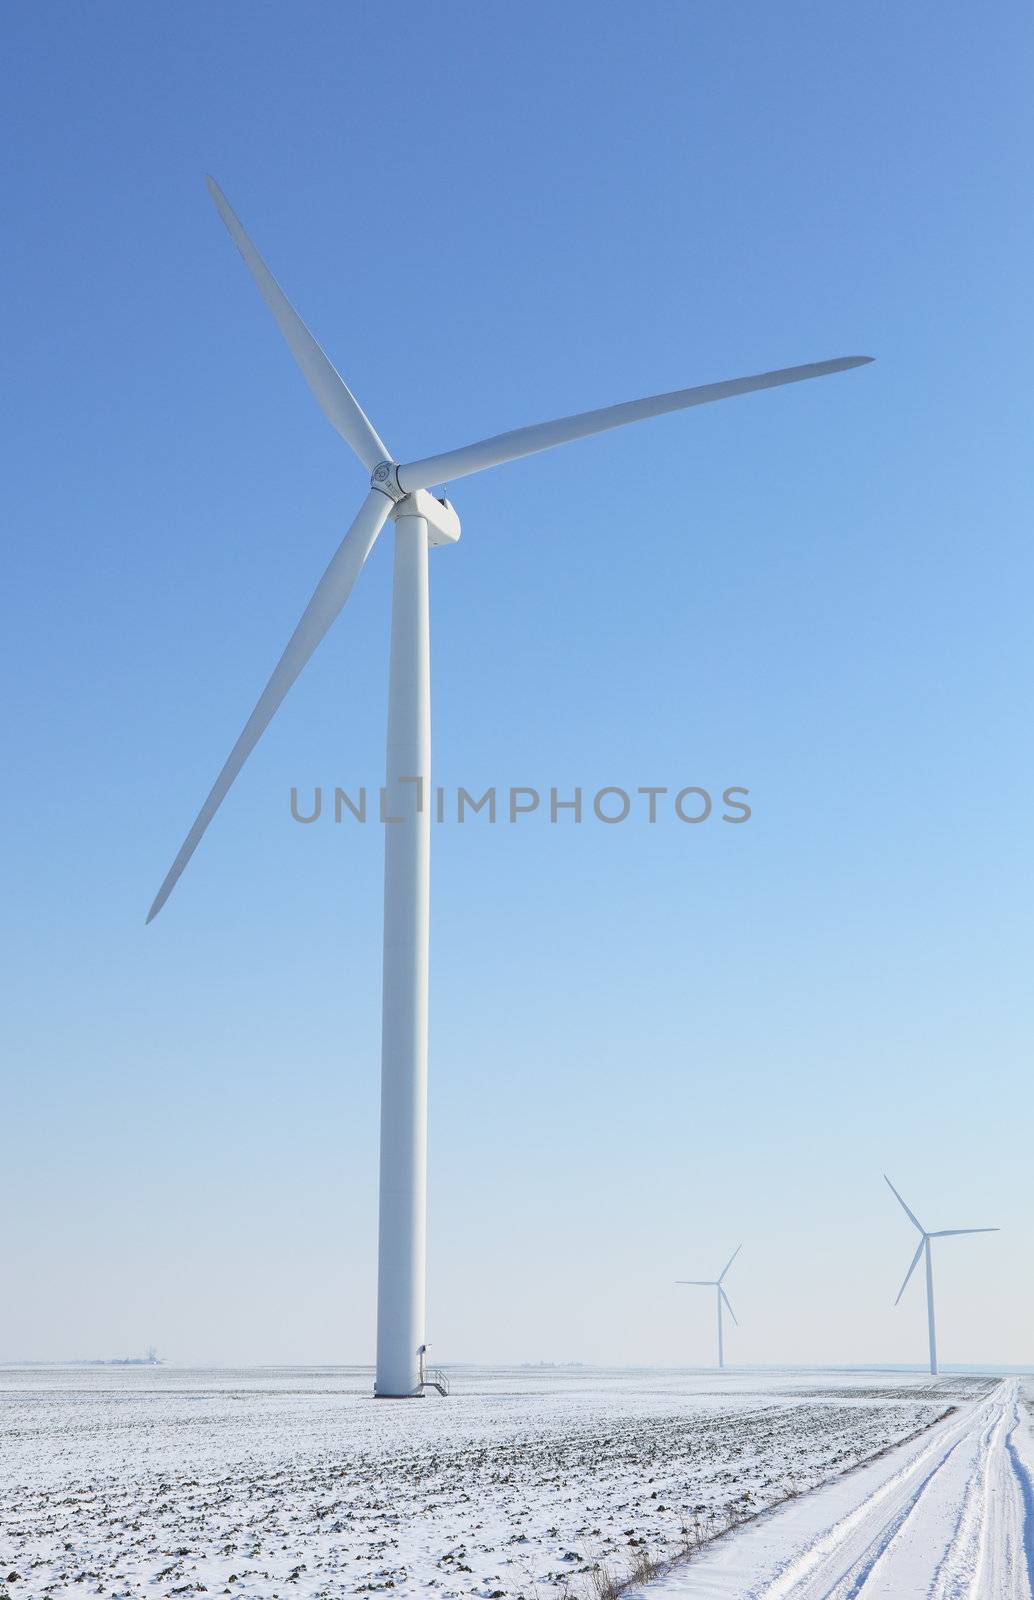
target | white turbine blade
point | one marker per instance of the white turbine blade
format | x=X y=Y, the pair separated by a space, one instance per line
x=729 y=1263
x=698 y=1283
x=330 y=594
x=333 y=394
x=902 y=1204
x=950 y=1233
x=545 y=435
x=728 y=1306
x=912 y=1268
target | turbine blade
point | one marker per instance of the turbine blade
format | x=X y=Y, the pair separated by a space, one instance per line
x=698 y=1283
x=902 y=1204
x=949 y=1233
x=728 y=1306
x=912 y=1268
x=330 y=594
x=545 y=435
x=334 y=396
x=729 y=1263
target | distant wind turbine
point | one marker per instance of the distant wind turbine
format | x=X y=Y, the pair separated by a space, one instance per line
x=922 y=1248
x=719 y=1296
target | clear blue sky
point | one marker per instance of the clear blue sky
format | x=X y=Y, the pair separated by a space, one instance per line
x=647 y=1044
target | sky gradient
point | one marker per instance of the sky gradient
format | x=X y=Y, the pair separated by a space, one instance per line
x=648 y=1043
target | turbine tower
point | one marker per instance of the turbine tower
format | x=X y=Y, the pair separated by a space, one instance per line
x=719 y=1296
x=923 y=1249
x=399 y=493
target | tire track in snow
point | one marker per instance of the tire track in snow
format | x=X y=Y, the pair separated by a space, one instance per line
x=953 y=1520
x=955 y=1574
x=1026 y=1489
x=1023 y=1503
x=995 y=1571
x=959 y=1488
x=887 y=1507
x=954 y=1523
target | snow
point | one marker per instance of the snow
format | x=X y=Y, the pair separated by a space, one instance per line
x=296 y=1482
x=950 y=1516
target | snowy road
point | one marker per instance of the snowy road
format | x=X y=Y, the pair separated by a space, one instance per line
x=949 y=1517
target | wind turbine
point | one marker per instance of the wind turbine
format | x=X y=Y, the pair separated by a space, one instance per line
x=719 y=1296
x=923 y=1248
x=400 y=493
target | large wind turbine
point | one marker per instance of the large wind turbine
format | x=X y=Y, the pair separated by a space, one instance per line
x=400 y=493
x=923 y=1248
x=719 y=1296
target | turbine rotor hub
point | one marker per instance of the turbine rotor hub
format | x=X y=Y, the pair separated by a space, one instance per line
x=385 y=479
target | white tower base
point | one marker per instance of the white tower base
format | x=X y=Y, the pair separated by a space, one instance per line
x=931 y=1324
x=721 y=1341
x=420 y=520
x=401 y=1283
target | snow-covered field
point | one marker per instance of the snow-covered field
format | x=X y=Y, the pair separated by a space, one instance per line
x=295 y=1482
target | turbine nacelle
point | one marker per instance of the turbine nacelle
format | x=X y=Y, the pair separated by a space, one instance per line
x=443 y=525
